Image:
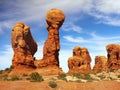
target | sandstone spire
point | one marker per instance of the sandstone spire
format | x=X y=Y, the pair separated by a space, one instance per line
x=23 y=45
x=54 y=19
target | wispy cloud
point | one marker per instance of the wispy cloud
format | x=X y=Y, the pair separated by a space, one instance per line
x=106 y=12
x=108 y=6
x=96 y=44
x=30 y=10
x=71 y=27
x=75 y=40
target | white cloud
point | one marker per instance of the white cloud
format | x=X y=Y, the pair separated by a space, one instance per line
x=30 y=10
x=5 y=25
x=108 y=6
x=75 y=40
x=71 y=27
x=6 y=57
x=106 y=12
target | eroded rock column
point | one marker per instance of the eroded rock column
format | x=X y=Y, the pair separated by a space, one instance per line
x=54 y=19
x=24 y=46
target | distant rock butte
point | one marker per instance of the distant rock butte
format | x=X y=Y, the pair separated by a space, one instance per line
x=80 y=61
x=100 y=63
x=24 y=46
x=113 y=55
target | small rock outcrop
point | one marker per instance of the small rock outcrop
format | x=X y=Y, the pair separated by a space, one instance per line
x=24 y=46
x=80 y=61
x=54 y=19
x=100 y=63
x=113 y=55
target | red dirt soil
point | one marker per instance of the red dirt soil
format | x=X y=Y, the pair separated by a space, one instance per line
x=61 y=85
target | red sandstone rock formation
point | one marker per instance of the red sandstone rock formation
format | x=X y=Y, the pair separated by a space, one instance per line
x=80 y=62
x=100 y=63
x=54 y=19
x=23 y=45
x=113 y=55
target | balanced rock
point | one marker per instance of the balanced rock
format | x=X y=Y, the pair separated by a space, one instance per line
x=54 y=19
x=80 y=61
x=100 y=63
x=24 y=46
x=113 y=55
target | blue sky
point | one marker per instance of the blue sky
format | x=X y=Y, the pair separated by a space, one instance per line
x=89 y=23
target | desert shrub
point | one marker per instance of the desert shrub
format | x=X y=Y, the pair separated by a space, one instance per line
x=111 y=70
x=118 y=76
x=11 y=67
x=36 y=77
x=6 y=69
x=52 y=84
x=1 y=71
x=62 y=76
x=28 y=78
x=14 y=78
x=87 y=77
x=77 y=75
x=24 y=75
x=101 y=77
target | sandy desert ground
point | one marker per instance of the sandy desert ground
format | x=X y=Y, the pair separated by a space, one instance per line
x=61 y=85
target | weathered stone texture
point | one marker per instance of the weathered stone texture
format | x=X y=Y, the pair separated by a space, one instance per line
x=23 y=45
x=100 y=63
x=113 y=55
x=54 y=19
x=80 y=61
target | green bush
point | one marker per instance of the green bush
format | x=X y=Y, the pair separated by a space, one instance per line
x=118 y=76
x=52 y=84
x=62 y=76
x=7 y=69
x=87 y=76
x=36 y=77
x=77 y=75
x=24 y=75
x=15 y=78
x=1 y=71
x=101 y=77
x=11 y=67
